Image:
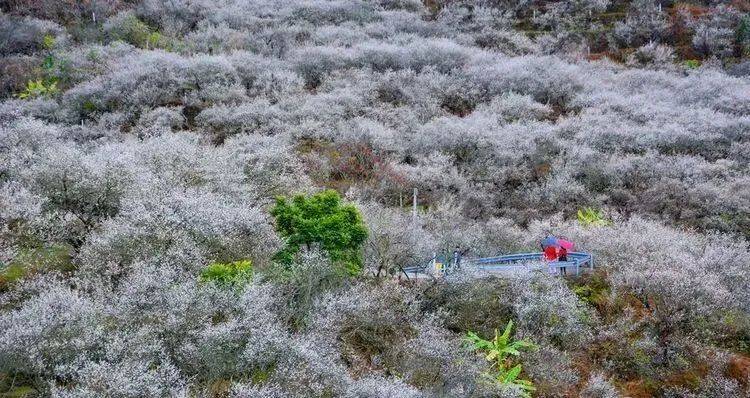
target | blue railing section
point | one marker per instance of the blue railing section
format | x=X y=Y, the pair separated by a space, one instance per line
x=576 y=261
x=510 y=263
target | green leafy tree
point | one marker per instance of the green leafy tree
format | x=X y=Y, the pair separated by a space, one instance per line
x=500 y=352
x=321 y=219
x=234 y=274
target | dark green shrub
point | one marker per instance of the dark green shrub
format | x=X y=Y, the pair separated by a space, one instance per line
x=323 y=220
x=365 y=338
x=742 y=37
x=129 y=28
x=481 y=306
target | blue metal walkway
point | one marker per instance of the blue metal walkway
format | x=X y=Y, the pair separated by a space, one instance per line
x=510 y=263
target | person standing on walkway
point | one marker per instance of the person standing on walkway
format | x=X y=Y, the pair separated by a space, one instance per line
x=456 y=257
x=562 y=255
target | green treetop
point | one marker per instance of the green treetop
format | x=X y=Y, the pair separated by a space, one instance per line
x=321 y=219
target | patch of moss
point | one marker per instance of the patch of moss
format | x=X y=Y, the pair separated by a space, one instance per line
x=592 y=289
x=19 y=392
x=261 y=375
x=35 y=260
x=426 y=376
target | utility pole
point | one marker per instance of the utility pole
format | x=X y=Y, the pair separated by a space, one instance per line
x=414 y=208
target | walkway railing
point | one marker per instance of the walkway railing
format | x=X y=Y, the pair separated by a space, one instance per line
x=508 y=263
x=576 y=261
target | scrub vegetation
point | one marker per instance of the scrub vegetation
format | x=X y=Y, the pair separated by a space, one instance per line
x=207 y=198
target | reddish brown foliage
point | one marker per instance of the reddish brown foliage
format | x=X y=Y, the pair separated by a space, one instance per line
x=739 y=369
x=637 y=389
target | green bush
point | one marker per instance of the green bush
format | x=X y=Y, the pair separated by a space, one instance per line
x=12 y=273
x=129 y=28
x=48 y=42
x=39 y=88
x=734 y=331
x=323 y=220
x=234 y=274
x=692 y=64
x=132 y=30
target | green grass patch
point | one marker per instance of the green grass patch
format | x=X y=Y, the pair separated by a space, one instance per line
x=234 y=274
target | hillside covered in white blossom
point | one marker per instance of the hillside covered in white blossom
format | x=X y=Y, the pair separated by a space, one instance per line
x=215 y=199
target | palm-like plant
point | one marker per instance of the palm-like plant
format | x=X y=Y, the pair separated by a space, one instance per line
x=500 y=352
x=510 y=378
